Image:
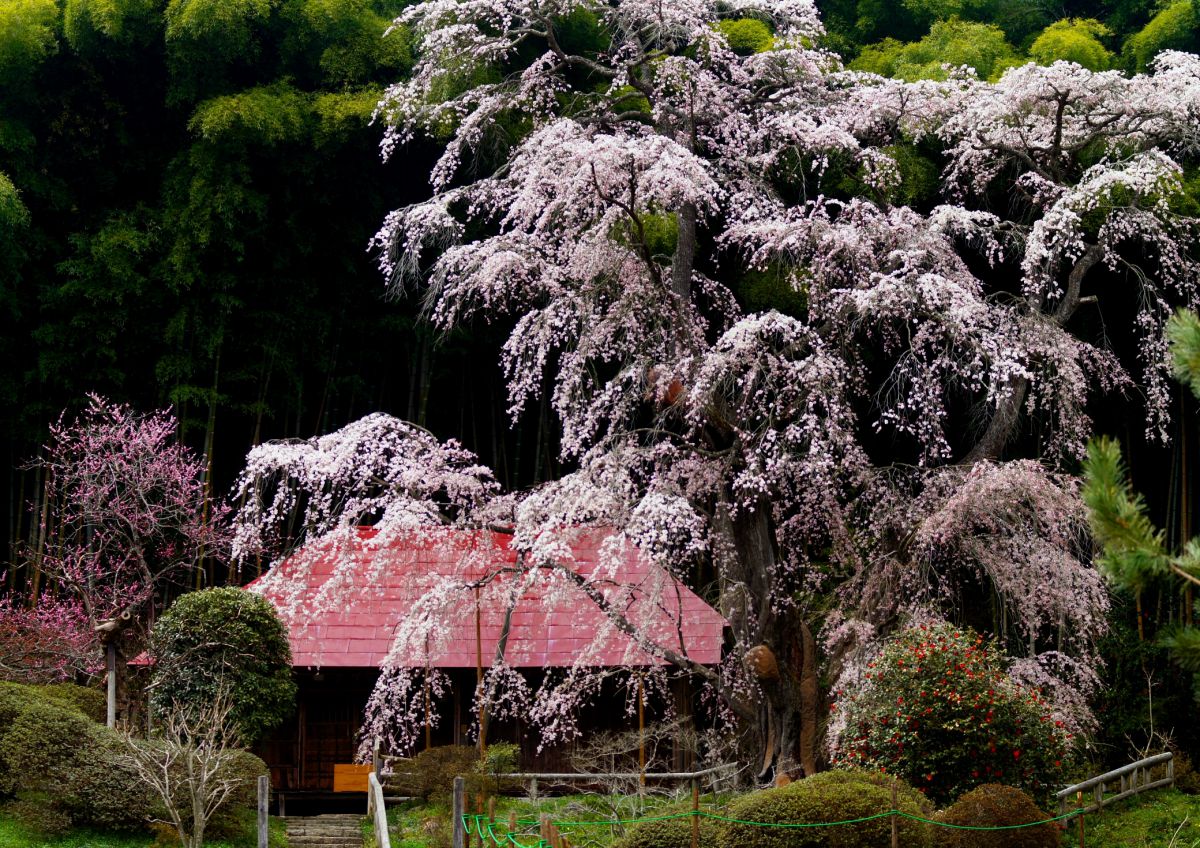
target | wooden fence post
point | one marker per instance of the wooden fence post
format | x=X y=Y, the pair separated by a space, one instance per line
x=264 y=795
x=457 y=823
x=895 y=824
x=1079 y=802
x=695 y=813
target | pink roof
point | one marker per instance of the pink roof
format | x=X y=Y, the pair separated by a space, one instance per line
x=548 y=629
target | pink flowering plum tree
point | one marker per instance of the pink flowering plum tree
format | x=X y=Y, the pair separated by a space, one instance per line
x=126 y=514
x=45 y=642
x=894 y=449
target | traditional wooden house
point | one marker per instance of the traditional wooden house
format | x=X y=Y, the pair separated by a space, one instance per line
x=339 y=646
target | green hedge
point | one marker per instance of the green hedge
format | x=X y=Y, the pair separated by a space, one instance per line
x=59 y=768
x=828 y=796
x=671 y=833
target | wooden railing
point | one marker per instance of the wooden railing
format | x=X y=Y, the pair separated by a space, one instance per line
x=377 y=811
x=1128 y=781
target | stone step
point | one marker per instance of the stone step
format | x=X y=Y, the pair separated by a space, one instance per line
x=327 y=831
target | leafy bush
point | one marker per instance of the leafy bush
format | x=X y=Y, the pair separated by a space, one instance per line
x=1073 y=40
x=746 y=36
x=91 y=702
x=430 y=774
x=824 y=797
x=938 y=710
x=1173 y=28
x=224 y=637
x=671 y=833
x=54 y=758
x=993 y=805
x=102 y=790
x=40 y=745
x=37 y=814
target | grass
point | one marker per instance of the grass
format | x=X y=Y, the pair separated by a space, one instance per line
x=15 y=835
x=1147 y=821
x=1151 y=820
x=420 y=825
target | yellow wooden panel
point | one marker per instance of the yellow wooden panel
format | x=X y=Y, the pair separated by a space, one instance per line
x=350 y=778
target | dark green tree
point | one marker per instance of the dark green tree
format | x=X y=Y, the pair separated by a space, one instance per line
x=224 y=640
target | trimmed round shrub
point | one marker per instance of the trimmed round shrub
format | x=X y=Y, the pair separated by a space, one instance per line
x=671 y=833
x=91 y=702
x=829 y=796
x=938 y=710
x=224 y=637
x=993 y=805
x=40 y=745
x=102 y=790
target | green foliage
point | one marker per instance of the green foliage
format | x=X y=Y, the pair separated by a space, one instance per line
x=993 y=805
x=90 y=702
x=938 y=710
x=341 y=117
x=28 y=35
x=430 y=774
x=230 y=21
x=827 y=796
x=224 y=638
x=919 y=176
x=1133 y=548
x=270 y=115
x=40 y=745
x=54 y=758
x=1163 y=818
x=101 y=790
x=1074 y=40
x=746 y=36
x=953 y=42
x=581 y=32
x=91 y=25
x=1125 y=705
x=349 y=37
x=773 y=287
x=39 y=816
x=208 y=40
x=1173 y=28
x=940 y=10
x=1183 y=336
x=671 y=833
x=13 y=213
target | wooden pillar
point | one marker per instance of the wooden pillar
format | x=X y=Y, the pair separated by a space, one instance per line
x=457 y=815
x=264 y=796
x=111 y=663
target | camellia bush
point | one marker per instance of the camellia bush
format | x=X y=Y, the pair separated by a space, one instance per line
x=224 y=638
x=938 y=710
